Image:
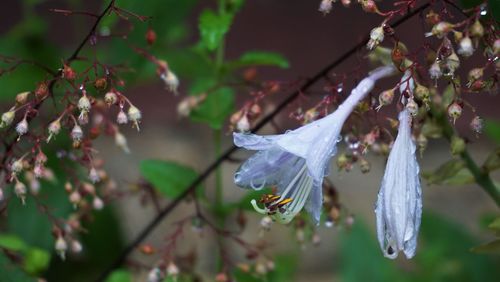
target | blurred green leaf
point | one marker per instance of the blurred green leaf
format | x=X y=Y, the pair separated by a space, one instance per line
x=120 y=275
x=216 y=108
x=492 y=247
x=495 y=225
x=12 y=243
x=169 y=178
x=432 y=129
x=362 y=259
x=443 y=254
x=492 y=129
x=493 y=161
x=285 y=268
x=10 y=272
x=261 y=58
x=213 y=28
x=448 y=96
x=36 y=261
x=467 y=4
x=453 y=172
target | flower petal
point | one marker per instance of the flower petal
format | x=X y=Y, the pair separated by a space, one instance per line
x=254 y=142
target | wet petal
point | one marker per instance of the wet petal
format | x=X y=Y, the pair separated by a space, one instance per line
x=253 y=141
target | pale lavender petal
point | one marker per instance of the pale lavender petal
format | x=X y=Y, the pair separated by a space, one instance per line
x=315 y=202
x=253 y=141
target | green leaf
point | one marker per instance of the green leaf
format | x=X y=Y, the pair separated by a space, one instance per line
x=169 y=178
x=120 y=275
x=213 y=28
x=452 y=172
x=261 y=58
x=493 y=161
x=216 y=108
x=10 y=272
x=492 y=247
x=495 y=225
x=467 y=4
x=448 y=96
x=36 y=261
x=285 y=268
x=12 y=243
x=492 y=129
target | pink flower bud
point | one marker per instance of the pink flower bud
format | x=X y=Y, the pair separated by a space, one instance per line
x=454 y=111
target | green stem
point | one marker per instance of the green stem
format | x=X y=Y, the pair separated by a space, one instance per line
x=481 y=176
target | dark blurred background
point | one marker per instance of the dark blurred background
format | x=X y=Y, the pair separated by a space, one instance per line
x=454 y=216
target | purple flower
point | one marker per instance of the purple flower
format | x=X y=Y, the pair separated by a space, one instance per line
x=297 y=161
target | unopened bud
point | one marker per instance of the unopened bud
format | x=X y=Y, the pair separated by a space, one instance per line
x=84 y=104
x=451 y=64
x=154 y=275
x=150 y=36
x=243 y=124
x=172 y=270
x=61 y=247
x=75 y=198
x=42 y=90
x=20 y=191
x=266 y=223
x=94 y=175
x=7 y=118
x=97 y=203
x=412 y=107
x=342 y=161
x=365 y=166
x=110 y=98
x=22 y=127
x=477 y=124
x=325 y=6
x=68 y=73
x=376 y=36
x=101 y=83
x=22 y=98
x=121 y=118
x=477 y=29
x=369 y=6
x=121 y=142
x=171 y=81
x=440 y=29
x=454 y=111
x=77 y=133
x=435 y=71
x=385 y=98
x=76 y=246
x=54 y=128
x=465 y=47
x=134 y=115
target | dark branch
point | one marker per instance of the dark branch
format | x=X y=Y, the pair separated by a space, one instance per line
x=226 y=155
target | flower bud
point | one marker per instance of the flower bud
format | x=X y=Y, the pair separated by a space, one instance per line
x=221 y=277
x=121 y=118
x=75 y=197
x=134 y=115
x=1 y=194
x=101 y=83
x=475 y=74
x=385 y=98
x=61 y=247
x=42 y=90
x=7 y=118
x=172 y=270
x=154 y=275
x=22 y=127
x=451 y=64
x=121 y=142
x=465 y=47
x=496 y=47
x=97 y=203
x=457 y=145
x=68 y=73
x=477 y=124
x=150 y=36
x=171 y=81
x=20 y=191
x=346 y=3
x=376 y=36
x=440 y=29
x=84 y=104
x=421 y=143
x=365 y=166
x=54 y=128
x=369 y=6
x=110 y=98
x=77 y=133
x=477 y=29
x=17 y=166
x=243 y=124
x=76 y=246
x=412 y=107
x=325 y=6
x=94 y=175
x=22 y=98
x=265 y=223
x=342 y=162
x=435 y=71
x=454 y=111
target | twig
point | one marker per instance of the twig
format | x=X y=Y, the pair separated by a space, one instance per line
x=172 y=205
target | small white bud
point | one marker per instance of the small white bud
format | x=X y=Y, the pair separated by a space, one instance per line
x=172 y=269
x=54 y=128
x=97 y=203
x=376 y=36
x=61 y=247
x=121 y=142
x=412 y=107
x=171 y=81
x=154 y=275
x=76 y=246
x=325 y=6
x=134 y=115
x=20 y=191
x=465 y=47
x=110 y=98
x=77 y=133
x=22 y=127
x=243 y=124
x=435 y=71
x=7 y=118
x=75 y=198
x=121 y=118
x=17 y=166
x=94 y=175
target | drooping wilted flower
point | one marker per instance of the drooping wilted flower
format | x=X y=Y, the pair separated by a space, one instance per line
x=399 y=203
x=296 y=162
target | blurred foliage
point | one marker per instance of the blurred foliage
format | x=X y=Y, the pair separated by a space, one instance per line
x=168 y=178
x=492 y=129
x=453 y=172
x=443 y=255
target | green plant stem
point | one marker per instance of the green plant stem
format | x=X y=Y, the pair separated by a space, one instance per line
x=481 y=176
